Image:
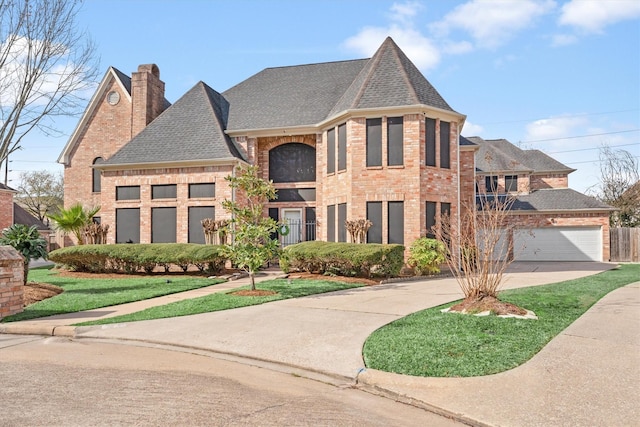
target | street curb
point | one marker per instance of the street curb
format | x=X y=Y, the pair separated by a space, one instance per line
x=363 y=383
x=22 y=328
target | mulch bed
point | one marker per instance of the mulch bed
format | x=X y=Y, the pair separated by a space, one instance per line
x=491 y=304
x=312 y=276
x=34 y=292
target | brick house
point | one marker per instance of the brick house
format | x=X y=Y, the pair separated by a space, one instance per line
x=557 y=223
x=369 y=138
x=12 y=213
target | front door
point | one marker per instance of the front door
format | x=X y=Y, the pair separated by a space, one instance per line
x=293 y=220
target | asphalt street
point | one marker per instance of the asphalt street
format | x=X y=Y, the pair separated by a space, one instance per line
x=59 y=381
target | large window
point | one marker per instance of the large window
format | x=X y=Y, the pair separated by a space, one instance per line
x=511 y=183
x=128 y=192
x=395 y=137
x=342 y=147
x=396 y=222
x=163 y=225
x=128 y=225
x=168 y=191
x=96 y=185
x=374 y=214
x=331 y=223
x=445 y=138
x=296 y=195
x=206 y=190
x=342 y=226
x=331 y=150
x=374 y=142
x=430 y=136
x=491 y=184
x=196 y=215
x=294 y=162
x=431 y=219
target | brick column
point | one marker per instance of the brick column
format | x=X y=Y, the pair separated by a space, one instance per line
x=11 y=281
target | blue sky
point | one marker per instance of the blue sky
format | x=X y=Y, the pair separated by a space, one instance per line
x=560 y=76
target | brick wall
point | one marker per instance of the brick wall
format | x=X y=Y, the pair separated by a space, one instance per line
x=6 y=208
x=541 y=181
x=182 y=177
x=11 y=281
x=107 y=130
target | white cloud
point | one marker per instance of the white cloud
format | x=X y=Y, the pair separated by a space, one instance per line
x=420 y=49
x=563 y=40
x=553 y=128
x=470 y=129
x=592 y=16
x=493 y=22
x=405 y=12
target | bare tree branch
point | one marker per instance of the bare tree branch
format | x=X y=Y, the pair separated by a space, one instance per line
x=47 y=68
x=619 y=186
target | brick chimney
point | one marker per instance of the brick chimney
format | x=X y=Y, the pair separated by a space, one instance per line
x=147 y=94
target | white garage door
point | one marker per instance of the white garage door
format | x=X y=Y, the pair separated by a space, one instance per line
x=558 y=244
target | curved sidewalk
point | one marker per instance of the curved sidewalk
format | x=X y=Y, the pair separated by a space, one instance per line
x=588 y=375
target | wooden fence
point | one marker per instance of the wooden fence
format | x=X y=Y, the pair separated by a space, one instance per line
x=625 y=244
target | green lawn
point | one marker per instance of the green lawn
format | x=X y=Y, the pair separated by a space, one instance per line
x=224 y=300
x=434 y=344
x=86 y=294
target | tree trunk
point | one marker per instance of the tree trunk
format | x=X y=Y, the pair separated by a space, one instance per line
x=253 y=281
x=26 y=271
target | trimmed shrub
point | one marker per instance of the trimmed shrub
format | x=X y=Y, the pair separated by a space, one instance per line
x=131 y=258
x=426 y=256
x=344 y=259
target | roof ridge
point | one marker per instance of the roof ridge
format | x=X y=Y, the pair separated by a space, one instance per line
x=396 y=54
x=368 y=70
x=311 y=64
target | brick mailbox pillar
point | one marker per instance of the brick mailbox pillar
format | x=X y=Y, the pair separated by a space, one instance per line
x=11 y=281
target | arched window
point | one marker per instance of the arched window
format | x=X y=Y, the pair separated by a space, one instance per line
x=294 y=162
x=96 y=186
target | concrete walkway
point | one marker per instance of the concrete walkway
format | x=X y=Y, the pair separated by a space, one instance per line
x=586 y=376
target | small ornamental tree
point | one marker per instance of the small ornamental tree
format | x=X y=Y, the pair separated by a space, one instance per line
x=27 y=241
x=426 y=256
x=252 y=245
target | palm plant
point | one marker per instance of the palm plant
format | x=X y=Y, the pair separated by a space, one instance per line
x=74 y=220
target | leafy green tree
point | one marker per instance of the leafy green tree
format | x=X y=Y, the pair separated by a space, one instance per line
x=252 y=246
x=74 y=220
x=27 y=241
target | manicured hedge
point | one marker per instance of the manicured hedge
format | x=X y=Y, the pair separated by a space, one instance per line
x=130 y=258
x=344 y=259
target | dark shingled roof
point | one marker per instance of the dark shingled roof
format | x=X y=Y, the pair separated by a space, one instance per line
x=465 y=141
x=289 y=96
x=500 y=155
x=558 y=199
x=552 y=199
x=21 y=216
x=305 y=95
x=124 y=79
x=191 y=129
x=390 y=79
x=5 y=187
x=297 y=96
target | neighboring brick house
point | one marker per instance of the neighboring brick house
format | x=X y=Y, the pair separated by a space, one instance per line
x=344 y=140
x=12 y=213
x=557 y=223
